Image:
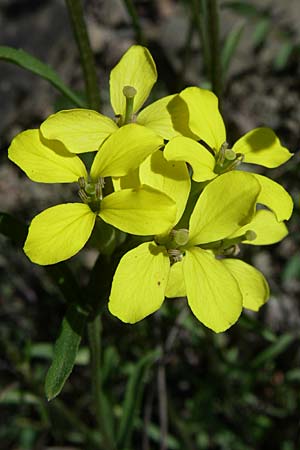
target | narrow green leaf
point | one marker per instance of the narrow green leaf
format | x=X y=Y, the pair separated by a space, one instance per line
x=283 y=55
x=251 y=324
x=132 y=399
x=261 y=31
x=230 y=45
x=29 y=62
x=274 y=350
x=65 y=350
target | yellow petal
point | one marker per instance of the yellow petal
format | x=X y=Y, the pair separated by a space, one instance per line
x=42 y=163
x=157 y=117
x=195 y=114
x=124 y=150
x=176 y=286
x=79 y=130
x=129 y=181
x=170 y=177
x=213 y=293
x=262 y=146
x=275 y=197
x=267 y=229
x=136 y=68
x=143 y=211
x=58 y=233
x=139 y=283
x=226 y=204
x=252 y=283
x=201 y=160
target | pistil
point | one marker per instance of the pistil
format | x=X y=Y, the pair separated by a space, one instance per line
x=130 y=93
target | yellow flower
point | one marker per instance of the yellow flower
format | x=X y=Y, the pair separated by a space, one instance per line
x=184 y=262
x=131 y=80
x=195 y=114
x=61 y=231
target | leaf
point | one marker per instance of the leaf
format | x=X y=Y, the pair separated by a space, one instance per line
x=34 y=65
x=230 y=45
x=44 y=350
x=65 y=350
x=283 y=55
x=132 y=399
x=274 y=350
x=261 y=31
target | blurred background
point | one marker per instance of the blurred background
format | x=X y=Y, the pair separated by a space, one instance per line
x=238 y=390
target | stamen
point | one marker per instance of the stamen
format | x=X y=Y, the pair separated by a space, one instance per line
x=81 y=182
x=83 y=196
x=175 y=255
x=90 y=192
x=99 y=187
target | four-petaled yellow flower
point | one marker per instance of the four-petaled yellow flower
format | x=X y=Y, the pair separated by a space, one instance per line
x=84 y=130
x=196 y=116
x=184 y=262
x=61 y=231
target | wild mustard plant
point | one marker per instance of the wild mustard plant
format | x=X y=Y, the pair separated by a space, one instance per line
x=145 y=186
x=152 y=188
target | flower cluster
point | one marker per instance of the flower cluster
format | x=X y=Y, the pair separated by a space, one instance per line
x=167 y=173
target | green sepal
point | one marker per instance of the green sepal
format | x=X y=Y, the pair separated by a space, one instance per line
x=34 y=65
x=65 y=350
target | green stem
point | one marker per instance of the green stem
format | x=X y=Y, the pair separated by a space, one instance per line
x=214 y=47
x=86 y=55
x=198 y=13
x=94 y=335
x=139 y=36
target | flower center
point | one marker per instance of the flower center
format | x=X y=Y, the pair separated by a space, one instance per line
x=174 y=243
x=91 y=192
x=227 y=159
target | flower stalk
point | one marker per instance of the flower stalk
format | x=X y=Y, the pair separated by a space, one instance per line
x=94 y=336
x=214 y=47
x=75 y=10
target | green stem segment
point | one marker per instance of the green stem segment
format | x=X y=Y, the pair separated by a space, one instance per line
x=206 y=19
x=94 y=335
x=214 y=47
x=135 y=22
x=86 y=55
